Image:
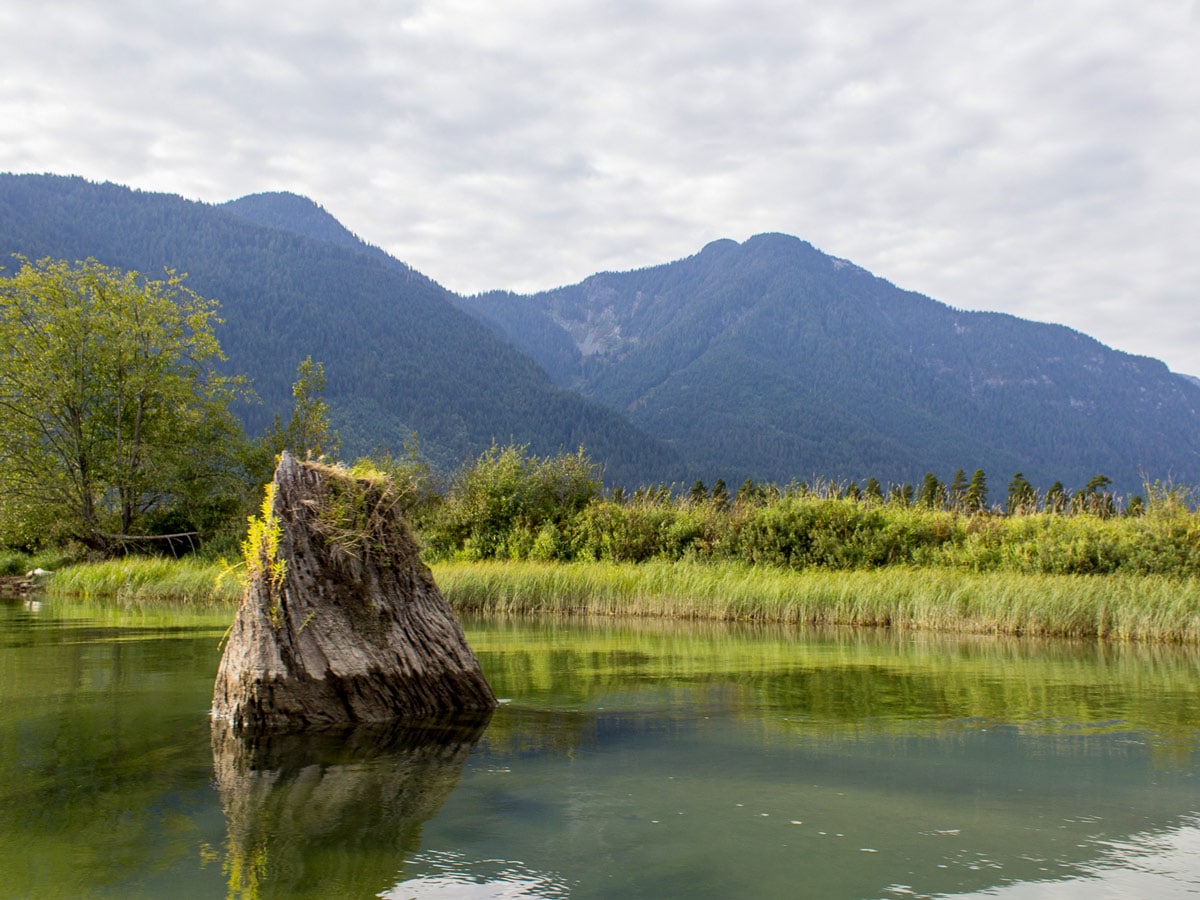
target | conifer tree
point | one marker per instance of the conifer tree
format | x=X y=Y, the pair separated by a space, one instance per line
x=1056 y=498
x=720 y=493
x=975 y=499
x=931 y=492
x=873 y=490
x=1022 y=498
x=956 y=493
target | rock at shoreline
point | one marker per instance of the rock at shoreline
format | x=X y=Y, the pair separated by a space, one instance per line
x=340 y=622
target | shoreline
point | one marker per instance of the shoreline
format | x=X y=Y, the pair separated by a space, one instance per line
x=1110 y=607
x=1144 y=608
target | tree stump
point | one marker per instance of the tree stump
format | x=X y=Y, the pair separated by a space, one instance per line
x=340 y=621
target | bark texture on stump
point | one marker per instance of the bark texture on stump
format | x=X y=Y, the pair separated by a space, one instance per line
x=340 y=622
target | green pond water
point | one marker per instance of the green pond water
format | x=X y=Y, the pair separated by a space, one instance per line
x=629 y=759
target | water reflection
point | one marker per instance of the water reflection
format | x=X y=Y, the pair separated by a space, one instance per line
x=327 y=813
x=1156 y=864
x=842 y=680
x=453 y=876
x=633 y=759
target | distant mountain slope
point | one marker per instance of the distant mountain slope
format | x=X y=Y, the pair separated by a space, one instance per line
x=291 y=212
x=299 y=215
x=772 y=360
x=398 y=354
x=767 y=359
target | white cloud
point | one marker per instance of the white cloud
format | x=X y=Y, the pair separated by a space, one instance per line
x=1033 y=158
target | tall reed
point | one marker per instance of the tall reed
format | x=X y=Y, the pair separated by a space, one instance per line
x=140 y=579
x=1119 y=606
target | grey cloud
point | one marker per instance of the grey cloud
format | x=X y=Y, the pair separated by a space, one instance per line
x=998 y=155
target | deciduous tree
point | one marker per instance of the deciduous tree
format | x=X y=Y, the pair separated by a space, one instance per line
x=110 y=406
x=309 y=433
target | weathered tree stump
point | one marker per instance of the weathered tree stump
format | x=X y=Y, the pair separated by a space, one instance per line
x=340 y=622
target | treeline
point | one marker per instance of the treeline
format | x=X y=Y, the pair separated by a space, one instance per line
x=509 y=504
x=117 y=436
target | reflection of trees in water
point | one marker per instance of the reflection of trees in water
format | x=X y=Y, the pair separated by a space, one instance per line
x=830 y=682
x=517 y=731
x=333 y=812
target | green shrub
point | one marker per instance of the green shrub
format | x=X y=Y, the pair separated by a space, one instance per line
x=496 y=507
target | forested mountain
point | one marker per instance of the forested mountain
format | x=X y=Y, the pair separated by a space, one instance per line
x=767 y=360
x=772 y=360
x=399 y=355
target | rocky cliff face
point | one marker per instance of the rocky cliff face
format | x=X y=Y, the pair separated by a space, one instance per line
x=341 y=622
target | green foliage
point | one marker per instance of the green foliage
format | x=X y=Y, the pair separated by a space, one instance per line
x=308 y=434
x=932 y=494
x=648 y=529
x=260 y=552
x=17 y=562
x=498 y=506
x=111 y=410
x=414 y=484
x=1056 y=498
x=491 y=513
x=1095 y=497
x=975 y=498
x=826 y=532
x=873 y=490
x=1022 y=498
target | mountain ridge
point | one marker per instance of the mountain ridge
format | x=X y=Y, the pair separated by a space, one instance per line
x=848 y=375
x=766 y=359
x=399 y=356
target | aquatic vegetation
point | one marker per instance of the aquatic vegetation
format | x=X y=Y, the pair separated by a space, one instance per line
x=138 y=579
x=519 y=534
x=1124 y=607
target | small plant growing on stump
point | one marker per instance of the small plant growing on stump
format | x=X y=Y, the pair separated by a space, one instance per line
x=355 y=517
x=260 y=550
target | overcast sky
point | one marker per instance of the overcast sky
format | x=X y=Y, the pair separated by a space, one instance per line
x=1039 y=158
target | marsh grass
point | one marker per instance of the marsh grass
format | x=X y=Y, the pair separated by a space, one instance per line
x=142 y=579
x=1122 y=607
x=1117 y=607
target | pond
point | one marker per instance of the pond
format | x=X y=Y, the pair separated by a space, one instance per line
x=628 y=759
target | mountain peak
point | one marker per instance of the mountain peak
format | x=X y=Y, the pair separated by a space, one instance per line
x=720 y=245
x=295 y=213
x=771 y=359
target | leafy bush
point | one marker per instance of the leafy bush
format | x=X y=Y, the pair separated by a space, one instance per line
x=497 y=506
x=508 y=505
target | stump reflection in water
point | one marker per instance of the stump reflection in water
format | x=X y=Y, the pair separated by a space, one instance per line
x=334 y=812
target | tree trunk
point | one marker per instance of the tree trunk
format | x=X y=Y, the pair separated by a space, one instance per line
x=341 y=622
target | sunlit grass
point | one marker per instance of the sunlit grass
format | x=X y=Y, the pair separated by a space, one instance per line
x=1121 y=607
x=142 y=579
x=1115 y=606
